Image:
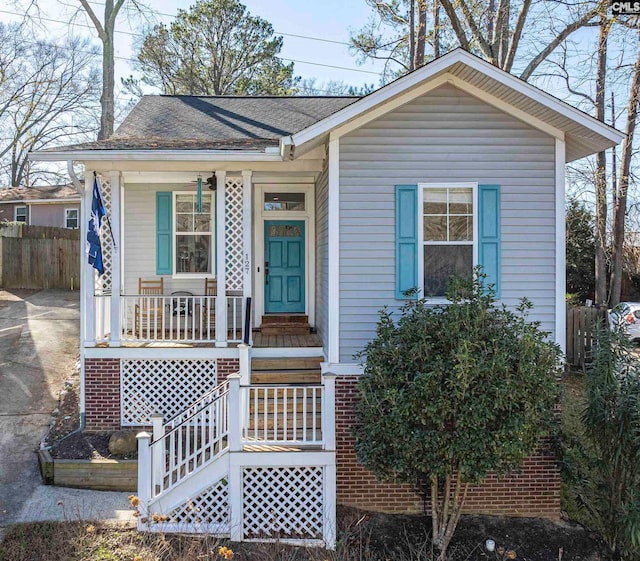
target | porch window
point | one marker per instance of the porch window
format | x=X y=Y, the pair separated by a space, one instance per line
x=448 y=218
x=193 y=234
x=71 y=218
x=21 y=214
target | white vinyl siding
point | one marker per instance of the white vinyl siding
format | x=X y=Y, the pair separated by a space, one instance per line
x=322 y=257
x=443 y=137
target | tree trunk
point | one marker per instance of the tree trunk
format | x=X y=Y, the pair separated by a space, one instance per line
x=108 y=86
x=446 y=508
x=412 y=35
x=436 y=29
x=620 y=207
x=601 y=168
x=422 y=33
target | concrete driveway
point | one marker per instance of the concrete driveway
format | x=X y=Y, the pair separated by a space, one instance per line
x=39 y=345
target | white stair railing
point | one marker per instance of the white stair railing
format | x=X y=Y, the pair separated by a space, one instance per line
x=197 y=440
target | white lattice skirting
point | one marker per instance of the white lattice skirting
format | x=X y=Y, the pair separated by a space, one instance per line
x=207 y=513
x=167 y=387
x=282 y=502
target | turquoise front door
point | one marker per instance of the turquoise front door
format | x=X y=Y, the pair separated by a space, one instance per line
x=284 y=266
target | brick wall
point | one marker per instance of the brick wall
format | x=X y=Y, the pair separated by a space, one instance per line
x=102 y=394
x=535 y=491
x=227 y=366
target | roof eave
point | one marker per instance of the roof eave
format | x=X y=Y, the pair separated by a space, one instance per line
x=154 y=155
x=610 y=135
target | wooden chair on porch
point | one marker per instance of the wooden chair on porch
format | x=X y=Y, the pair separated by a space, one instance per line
x=150 y=310
x=209 y=308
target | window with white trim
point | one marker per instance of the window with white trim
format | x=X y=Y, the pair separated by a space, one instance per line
x=193 y=234
x=449 y=235
x=71 y=218
x=21 y=214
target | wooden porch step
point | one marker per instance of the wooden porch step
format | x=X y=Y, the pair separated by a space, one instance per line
x=294 y=370
x=285 y=318
x=289 y=363
x=286 y=377
x=286 y=328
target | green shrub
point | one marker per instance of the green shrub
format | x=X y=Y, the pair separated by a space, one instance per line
x=451 y=392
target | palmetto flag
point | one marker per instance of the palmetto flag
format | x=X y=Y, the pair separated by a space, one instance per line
x=94 y=246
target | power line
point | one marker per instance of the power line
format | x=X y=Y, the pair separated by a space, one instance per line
x=141 y=35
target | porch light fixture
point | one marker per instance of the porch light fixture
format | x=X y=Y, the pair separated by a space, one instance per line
x=212 y=183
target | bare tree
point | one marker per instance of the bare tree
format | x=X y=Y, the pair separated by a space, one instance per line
x=404 y=46
x=601 y=169
x=620 y=199
x=105 y=28
x=491 y=28
x=48 y=95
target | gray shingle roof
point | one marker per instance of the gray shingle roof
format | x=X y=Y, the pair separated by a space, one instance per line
x=53 y=192
x=160 y=122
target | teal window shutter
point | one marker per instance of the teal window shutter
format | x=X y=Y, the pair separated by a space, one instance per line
x=489 y=233
x=164 y=230
x=406 y=239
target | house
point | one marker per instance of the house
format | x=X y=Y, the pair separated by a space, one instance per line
x=50 y=205
x=255 y=240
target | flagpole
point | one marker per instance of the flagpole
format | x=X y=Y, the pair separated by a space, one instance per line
x=113 y=241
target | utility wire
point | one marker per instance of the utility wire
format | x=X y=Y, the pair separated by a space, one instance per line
x=141 y=35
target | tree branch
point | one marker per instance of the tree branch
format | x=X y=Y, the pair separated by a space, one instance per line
x=553 y=45
x=458 y=29
x=517 y=33
x=94 y=19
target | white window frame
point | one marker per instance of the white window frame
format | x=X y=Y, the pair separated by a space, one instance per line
x=66 y=218
x=421 y=243
x=26 y=214
x=175 y=233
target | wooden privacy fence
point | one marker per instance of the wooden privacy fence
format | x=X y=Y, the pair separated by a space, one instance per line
x=581 y=331
x=39 y=263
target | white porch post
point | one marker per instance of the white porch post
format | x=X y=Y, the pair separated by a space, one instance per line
x=221 y=273
x=88 y=279
x=116 y=273
x=247 y=250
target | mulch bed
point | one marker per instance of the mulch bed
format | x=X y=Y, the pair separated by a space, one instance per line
x=69 y=445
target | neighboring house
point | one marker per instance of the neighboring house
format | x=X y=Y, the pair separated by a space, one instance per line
x=323 y=210
x=56 y=205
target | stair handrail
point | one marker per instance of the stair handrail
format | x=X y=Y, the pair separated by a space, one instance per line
x=191 y=416
x=201 y=401
x=182 y=450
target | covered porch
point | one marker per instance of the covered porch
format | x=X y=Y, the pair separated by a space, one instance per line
x=189 y=265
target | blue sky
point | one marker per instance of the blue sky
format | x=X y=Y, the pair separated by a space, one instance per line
x=326 y=19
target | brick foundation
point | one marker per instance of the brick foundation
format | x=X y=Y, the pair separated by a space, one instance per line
x=534 y=491
x=102 y=394
x=227 y=366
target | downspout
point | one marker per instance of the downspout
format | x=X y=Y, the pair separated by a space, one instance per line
x=79 y=188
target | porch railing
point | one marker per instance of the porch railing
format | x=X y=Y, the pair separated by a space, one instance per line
x=172 y=319
x=282 y=414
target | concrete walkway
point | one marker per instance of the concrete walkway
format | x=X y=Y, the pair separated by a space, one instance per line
x=57 y=503
x=39 y=346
